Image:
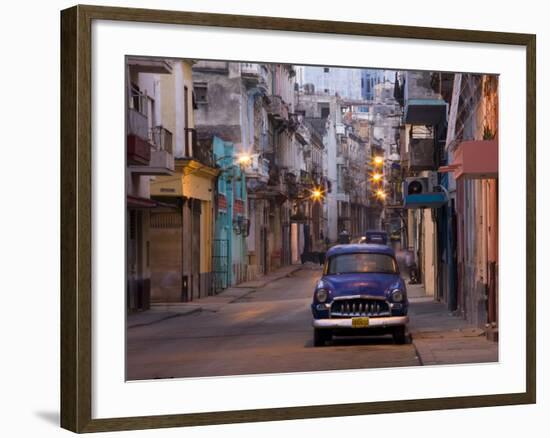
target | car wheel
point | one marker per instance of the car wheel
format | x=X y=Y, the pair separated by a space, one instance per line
x=399 y=336
x=321 y=337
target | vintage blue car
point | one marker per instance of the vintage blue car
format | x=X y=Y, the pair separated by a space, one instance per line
x=360 y=293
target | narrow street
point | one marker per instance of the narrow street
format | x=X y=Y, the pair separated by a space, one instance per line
x=265 y=330
x=265 y=327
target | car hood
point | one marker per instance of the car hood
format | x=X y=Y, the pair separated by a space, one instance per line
x=361 y=284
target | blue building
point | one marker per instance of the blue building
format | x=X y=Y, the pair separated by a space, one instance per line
x=231 y=222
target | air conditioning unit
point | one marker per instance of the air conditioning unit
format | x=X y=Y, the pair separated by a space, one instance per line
x=419 y=192
x=417 y=185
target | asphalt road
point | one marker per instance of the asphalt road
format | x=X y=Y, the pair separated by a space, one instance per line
x=266 y=331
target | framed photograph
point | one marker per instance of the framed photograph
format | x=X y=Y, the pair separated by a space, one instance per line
x=270 y=219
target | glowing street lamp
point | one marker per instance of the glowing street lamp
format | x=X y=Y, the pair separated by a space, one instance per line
x=377 y=177
x=316 y=194
x=381 y=194
x=244 y=159
x=378 y=160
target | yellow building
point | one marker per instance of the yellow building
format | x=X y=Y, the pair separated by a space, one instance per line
x=182 y=224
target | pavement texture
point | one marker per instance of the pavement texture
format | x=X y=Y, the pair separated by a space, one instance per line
x=264 y=326
x=162 y=311
x=442 y=338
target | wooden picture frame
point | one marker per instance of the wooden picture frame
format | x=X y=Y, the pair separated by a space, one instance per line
x=76 y=218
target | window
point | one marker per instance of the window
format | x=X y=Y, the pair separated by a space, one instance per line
x=340 y=178
x=201 y=92
x=325 y=112
x=362 y=263
x=326 y=69
x=138 y=100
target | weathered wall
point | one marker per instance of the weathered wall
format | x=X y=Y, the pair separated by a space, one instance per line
x=222 y=114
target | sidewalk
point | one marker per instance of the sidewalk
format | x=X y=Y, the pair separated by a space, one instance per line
x=442 y=338
x=163 y=311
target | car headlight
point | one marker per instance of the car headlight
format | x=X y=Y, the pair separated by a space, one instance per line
x=321 y=295
x=397 y=296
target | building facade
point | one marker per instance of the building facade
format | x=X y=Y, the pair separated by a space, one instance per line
x=231 y=222
x=149 y=154
x=451 y=137
x=182 y=230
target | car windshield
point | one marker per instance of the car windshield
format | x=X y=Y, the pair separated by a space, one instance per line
x=361 y=263
x=376 y=238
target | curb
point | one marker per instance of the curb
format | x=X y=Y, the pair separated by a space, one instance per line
x=165 y=317
x=258 y=286
x=416 y=350
x=200 y=308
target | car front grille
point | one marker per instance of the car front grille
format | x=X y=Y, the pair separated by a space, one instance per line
x=348 y=308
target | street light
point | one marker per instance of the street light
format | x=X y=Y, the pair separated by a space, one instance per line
x=244 y=159
x=378 y=160
x=316 y=194
x=377 y=177
x=381 y=194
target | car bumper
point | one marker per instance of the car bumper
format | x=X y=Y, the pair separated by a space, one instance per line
x=346 y=323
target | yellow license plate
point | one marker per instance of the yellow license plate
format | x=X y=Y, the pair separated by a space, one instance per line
x=360 y=322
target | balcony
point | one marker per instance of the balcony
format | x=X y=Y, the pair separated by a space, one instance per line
x=199 y=149
x=302 y=134
x=138 y=151
x=274 y=176
x=157 y=148
x=421 y=148
x=254 y=75
x=474 y=160
x=149 y=65
x=138 y=123
x=305 y=178
x=292 y=188
x=138 y=147
x=258 y=170
x=423 y=106
x=278 y=110
x=211 y=66
x=263 y=142
x=316 y=171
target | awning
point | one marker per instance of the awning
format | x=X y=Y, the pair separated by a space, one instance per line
x=425 y=111
x=474 y=160
x=139 y=202
x=425 y=200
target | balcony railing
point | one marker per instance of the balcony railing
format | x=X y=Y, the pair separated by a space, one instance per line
x=254 y=74
x=138 y=124
x=278 y=110
x=259 y=169
x=161 y=139
x=138 y=147
x=149 y=151
x=200 y=151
